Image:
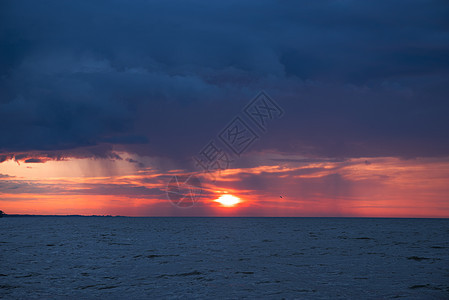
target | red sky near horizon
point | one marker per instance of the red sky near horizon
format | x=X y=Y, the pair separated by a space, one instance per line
x=362 y=187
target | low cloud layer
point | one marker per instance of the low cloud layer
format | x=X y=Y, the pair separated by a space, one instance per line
x=387 y=187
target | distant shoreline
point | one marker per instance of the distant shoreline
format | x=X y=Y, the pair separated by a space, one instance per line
x=27 y=215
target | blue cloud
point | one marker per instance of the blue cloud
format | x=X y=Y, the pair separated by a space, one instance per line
x=162 y=78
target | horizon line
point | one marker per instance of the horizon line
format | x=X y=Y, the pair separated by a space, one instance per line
x=289 y=217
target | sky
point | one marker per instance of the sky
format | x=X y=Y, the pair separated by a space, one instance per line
x=297 y=108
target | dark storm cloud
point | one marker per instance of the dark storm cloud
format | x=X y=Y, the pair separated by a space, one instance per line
x=163 y=77
x=34 y=160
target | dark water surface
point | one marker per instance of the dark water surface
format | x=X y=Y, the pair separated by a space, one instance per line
x=305 y=258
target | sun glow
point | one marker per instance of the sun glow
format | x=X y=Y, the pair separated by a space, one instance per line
x=228 y=200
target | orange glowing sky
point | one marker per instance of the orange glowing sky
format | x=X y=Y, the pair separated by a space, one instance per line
x=380 y=187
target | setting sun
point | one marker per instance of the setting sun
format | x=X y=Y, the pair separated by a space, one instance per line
x=228 y=200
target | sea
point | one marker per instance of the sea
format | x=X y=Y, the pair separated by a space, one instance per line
x=223 y=258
